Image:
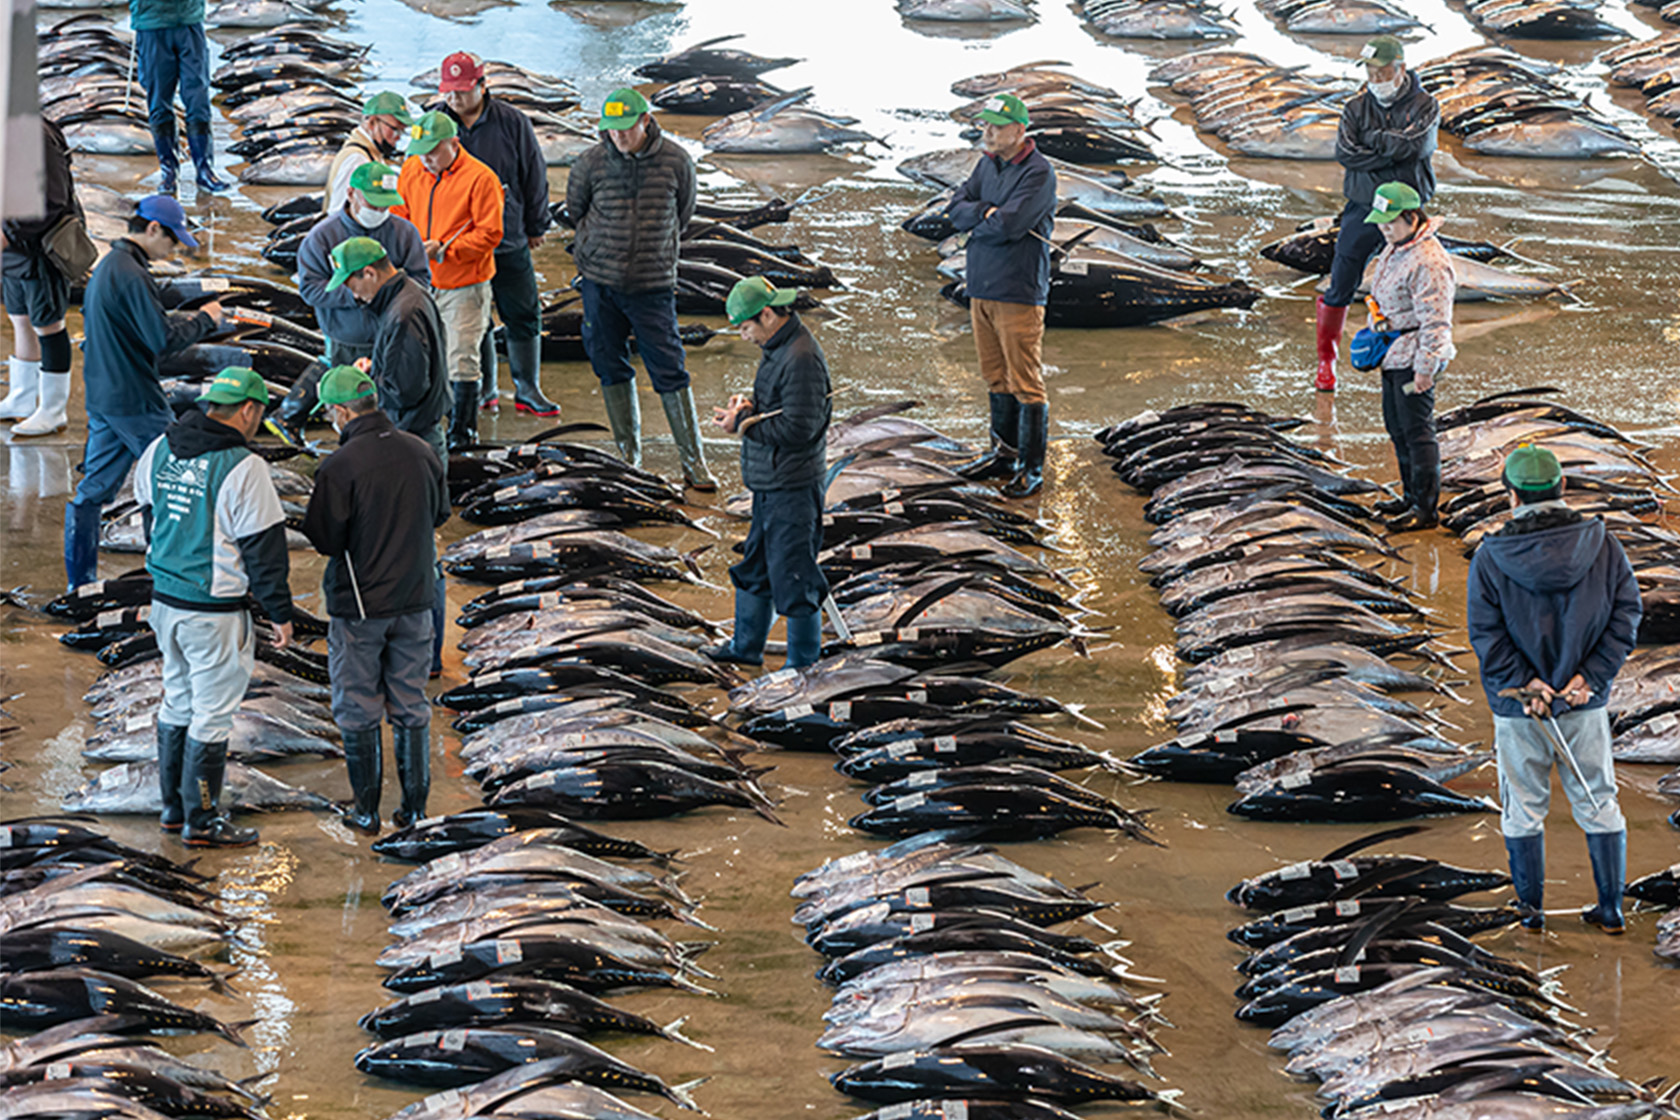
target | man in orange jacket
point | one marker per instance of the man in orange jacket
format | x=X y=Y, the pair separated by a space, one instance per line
x=455 y=202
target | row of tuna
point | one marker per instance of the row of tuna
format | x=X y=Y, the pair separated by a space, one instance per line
x=1299 y=647
x=103 y=950
x=1368 y=970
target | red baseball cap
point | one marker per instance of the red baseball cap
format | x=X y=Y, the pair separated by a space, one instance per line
x=460 y=71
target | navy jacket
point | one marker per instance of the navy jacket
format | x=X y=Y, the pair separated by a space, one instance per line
x=503 y=140
x=126 y=331
x=1377 y=143
x=342 y=319
x=1551 y=596
x=377 y=500
x=1006 y=262
x=408 y=356
x=789 y=450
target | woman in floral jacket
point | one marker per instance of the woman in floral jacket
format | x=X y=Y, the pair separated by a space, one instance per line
x=1412 y=285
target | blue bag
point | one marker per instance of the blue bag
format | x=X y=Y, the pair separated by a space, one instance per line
x=1370 y=347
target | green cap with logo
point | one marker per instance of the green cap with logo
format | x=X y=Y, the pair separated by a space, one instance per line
x=388 y=104
x=430 y=131
x=341 y=385
x=1382 y=50
x=1392 y=200
x=1532 y=468
x=352 y=256
x=1005 y=108
x=752 y=295
x=622 y=109
x=377 y=183
x=236 y=385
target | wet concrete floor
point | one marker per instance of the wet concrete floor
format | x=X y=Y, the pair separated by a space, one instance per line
x=309 y=895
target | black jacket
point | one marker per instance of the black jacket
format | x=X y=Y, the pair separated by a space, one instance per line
x=377 y=500
x=789 y=450
x=1551 y=594
x=125 y=332
x=630 y=211
x=1006 y=262
x=408 y=356
x=1379 y=143
x=503 y=140
x=25 y=234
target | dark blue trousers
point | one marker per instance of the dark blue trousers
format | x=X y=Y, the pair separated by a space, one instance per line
x=171 y=59
x=610 y=317
x=1356 y=244
x=113 y=444
x=779 y=560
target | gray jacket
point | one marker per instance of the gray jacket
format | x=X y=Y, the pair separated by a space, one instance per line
x=629 y=211
x=788 y=449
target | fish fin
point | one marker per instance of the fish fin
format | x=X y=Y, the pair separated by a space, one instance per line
x=230 y=1031
x=688 y=558
x=940 y=591
x=1369 y=929
x=1374 y=838
x=673 y=1031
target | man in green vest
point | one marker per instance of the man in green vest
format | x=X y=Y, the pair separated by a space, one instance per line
x=216 y=533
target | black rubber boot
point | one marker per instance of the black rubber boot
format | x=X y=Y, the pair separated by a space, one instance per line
x=171 y=749
x=1527 y=855
x=201 y=145
x=413 y=748
x=364 y=759
x=164 y=139
x=525 y=366
x=804 y=640
x=1391 y=507
x=753 y=616
x=999 y=462
x=488 y=400
x=1609 y=867
x=1034 y=434
x=463 y=416
x=205 y=766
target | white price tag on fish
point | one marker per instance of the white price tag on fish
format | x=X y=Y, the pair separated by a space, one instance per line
x=840 y=711
x=5 y=836
x=430 y=995
x=909 y=801
x=908 y=633
x=1344 y=869
x=213 y=284
x=862 y=552
x=954 y=1110
x=922 y=778
x=445 y=957
x=898 y=1059
x=1295 y=871
x=505 y=493
x=1347 y=974
x=916 y=696
x=1296 y=780
x=902 y=748
x=867 y=638
x=508 y=952
x=478 y=989
x=798 y=711
x=921 y=923
x=918 y=896
x=455 y=1040
x=889 y=494
x=1297 y=914
x=58 y=1071
x=893 y=507
x=1347 y=908
x=945 y=744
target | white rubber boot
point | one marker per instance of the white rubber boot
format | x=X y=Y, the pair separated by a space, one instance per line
x=25 y=379
x=49 y=415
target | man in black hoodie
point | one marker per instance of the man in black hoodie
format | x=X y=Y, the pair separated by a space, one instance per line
x=1554 y=610
x=376 y=502
x=216 y=533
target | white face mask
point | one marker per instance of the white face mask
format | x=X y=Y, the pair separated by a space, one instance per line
x=1387 y=92
x=370 y=217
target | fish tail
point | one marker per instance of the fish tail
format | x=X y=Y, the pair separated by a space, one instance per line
x=230 y=1031
x=673 y=1031
x=679 y=1095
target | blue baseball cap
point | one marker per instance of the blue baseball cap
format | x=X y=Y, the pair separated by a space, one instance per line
x=166 y=212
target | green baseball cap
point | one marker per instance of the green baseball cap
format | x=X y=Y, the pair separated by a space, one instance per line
x=622 y=109
x=352 y=256
x=235 y=385
x=1005 y=108
x=388 y=104
x=430 y=131
x=1532 y=468
x=752 y=295
x=341 y=385
x=1382 y=50
x=377 y=183
x=1390 y=201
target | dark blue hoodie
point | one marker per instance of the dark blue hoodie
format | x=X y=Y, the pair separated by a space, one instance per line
x=1550 y=602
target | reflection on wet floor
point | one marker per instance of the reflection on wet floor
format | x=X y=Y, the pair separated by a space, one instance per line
x=306 y=903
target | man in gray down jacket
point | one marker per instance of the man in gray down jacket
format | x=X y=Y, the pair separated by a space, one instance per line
x=630 y=197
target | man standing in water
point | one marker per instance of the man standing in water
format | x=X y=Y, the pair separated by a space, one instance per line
x=1387 y=135
x=630 y=197
x=1007 y=207
x=1554 y=610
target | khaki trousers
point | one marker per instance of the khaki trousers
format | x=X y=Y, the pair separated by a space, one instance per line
x=466 y=316
x=1010 y=338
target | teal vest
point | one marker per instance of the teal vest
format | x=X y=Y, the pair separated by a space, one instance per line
x=184 y=496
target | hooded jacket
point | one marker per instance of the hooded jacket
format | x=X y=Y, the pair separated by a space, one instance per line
x=1551 y=598
x=377 y=500
x=1414 y=285
x=215 y=527
x=340 y=316
x=1379 y=143
x=789 y=450
x=1006 y=261
x=462 y=206
x=125 y=332
x=504 y=141
x=408 y=350
x=630 y=211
